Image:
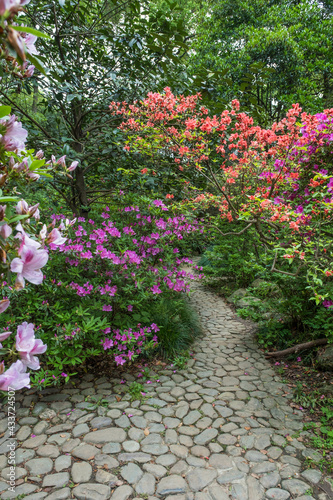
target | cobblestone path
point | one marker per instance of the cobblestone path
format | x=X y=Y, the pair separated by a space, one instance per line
x=221 y=429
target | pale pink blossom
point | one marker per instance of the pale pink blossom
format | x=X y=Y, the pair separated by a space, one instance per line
x=2 y=211
x=32 y=175
x=29 y=71
x=4 y=335
x=28 y=346
x=73 y=166
x=15 y=135
x=43 y=232
x=30 y=41
x=55 y=237
x=5 y=231
x=28 y=265
x=61 y=161
x=22 y=207
x=11 y=5
x=20 y=167
x=15 y=377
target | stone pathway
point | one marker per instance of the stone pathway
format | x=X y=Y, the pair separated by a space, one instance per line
x=221 y=429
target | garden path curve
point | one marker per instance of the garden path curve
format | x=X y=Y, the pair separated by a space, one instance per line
x=220 y=429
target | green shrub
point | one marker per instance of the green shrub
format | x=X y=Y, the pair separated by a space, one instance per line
x=178 y=323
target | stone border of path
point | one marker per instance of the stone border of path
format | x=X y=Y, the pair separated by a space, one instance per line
x=222 y=429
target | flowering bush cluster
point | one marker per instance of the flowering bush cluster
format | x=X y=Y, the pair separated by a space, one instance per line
x=277 y=181
x=112 y=270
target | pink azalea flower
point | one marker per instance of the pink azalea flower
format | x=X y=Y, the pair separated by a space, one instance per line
x=107 y=308
x=29 y=264
x=15 y=377
x=119 y=360
x=15 y=135
x=27 y=345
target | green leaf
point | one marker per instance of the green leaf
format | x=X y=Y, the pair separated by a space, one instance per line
x=32 y=31
x=36 y=62
x=36 y=164
x=5 y=111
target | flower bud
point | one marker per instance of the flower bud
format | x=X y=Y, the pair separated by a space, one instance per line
x=2 y=212
x=33 y=210
x=22 y=207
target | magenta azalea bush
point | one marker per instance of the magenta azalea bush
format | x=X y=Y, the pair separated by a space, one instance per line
x=112 y=270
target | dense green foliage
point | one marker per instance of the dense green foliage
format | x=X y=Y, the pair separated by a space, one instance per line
x=285 y=312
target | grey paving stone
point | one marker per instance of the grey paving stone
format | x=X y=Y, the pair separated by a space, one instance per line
x=155 y=449
x=57 y=480
x=104 y=460
x=39 y=465
x=139 y=457
x=277 y=494
x=85 y=452
x=131 y=473
x=108 y=435
x=34 y=442
x=131 y=446
x=62 y=462
x=146 y=485
x=92 y=491
x=157 y=470
x=105 y=477
x=230 y=476
x=312 y=475
x=22 y=489
x=198 y=479
x=171 y=485
x=122 y=493
x=295 y=486
x=48 y=450
x=205 y=437
x=166 y=460
x=221 y=461
x=81 y=472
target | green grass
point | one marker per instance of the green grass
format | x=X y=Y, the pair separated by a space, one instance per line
x=179 y=326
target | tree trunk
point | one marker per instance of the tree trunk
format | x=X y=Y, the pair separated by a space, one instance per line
x=81 y=188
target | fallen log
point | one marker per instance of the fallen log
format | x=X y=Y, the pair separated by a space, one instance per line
x=296 y=348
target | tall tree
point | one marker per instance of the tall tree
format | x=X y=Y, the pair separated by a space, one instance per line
x=98 y=51
x=276 y=52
